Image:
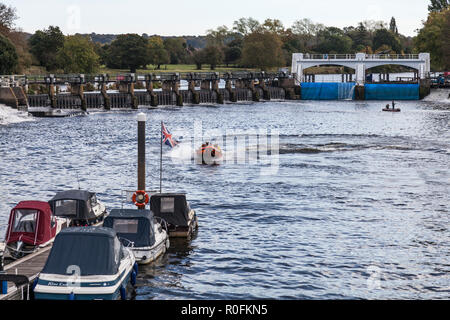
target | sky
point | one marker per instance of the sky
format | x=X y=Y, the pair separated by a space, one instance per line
x=195 y=17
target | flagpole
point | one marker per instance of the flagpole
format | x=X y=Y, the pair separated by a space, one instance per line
x=160 y=161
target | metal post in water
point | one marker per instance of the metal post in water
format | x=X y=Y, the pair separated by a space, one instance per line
x=142 y=118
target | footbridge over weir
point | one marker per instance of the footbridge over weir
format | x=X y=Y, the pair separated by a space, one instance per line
x=360 y=62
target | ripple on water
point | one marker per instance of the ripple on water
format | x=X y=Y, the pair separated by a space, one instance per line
x=357 y=208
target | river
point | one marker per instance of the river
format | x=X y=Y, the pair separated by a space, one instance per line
x=344 y=202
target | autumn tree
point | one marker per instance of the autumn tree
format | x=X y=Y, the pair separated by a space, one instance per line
x=262 y=50
x=434 y=38
x=158 y=55
x=78 y=55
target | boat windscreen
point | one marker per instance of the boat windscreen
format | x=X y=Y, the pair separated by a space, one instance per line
x=25 y=220
x=65 y=208
x=90 y=254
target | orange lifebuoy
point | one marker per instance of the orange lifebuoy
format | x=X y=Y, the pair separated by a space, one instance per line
x=141 y=201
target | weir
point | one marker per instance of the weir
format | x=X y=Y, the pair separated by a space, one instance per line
x=41 y=95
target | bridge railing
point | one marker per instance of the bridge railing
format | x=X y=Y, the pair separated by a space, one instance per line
x=392 y=56
x=307 y=56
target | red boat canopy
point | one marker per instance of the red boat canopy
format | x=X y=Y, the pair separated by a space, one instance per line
x=32 y=223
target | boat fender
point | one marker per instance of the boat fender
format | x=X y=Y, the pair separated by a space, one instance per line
x=123 y=293
x=135 y=268
x=71 y=296
x=133 y=278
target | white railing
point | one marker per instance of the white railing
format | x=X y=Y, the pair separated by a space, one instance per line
x=392 y=56
x=308 y=56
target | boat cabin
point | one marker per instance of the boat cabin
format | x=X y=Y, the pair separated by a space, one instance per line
x=176 y=211
x=91 y=256
x=133 y=227
x=31 y=225
x=80 y=206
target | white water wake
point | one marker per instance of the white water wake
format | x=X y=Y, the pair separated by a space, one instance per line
x=10 y=115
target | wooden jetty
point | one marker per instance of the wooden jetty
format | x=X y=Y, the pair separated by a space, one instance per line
x=21 y=274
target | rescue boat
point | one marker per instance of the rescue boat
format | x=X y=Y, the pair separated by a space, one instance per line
x=209 y=154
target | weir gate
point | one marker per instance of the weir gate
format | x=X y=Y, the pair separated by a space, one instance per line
x=42 y=94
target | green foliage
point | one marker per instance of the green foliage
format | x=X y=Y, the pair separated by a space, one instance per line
x=393 y=26
x=78 y=55
x=45 y=44
x=434 y=38
x=176 y=47
x=8 y=56
x=438 y=5
x=232 y=54
x=128 y=51
x=384 y=37
x=213 y=55
x=158 y=55
x=262 y=50
x=333 y=40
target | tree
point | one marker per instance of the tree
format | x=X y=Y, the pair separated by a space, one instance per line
x=78 y=55
x=393 y=26
x=262 y=50
x=218 y=37
x=7 y=18
x=385 y=37
x=213 y=55
x=246 y=26
x=128 y=51
x=274 y=25
x=44 y=45
x=158 y=55
x=8 y=56
x=434 y=38
x=232 y=55
x=199 y=58
x=438 y=5
x=333 y=40
x=176 y=47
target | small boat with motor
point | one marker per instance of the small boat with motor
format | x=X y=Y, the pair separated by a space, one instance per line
x=80 y=206
x=209 y=154
x=175 y=210
x=393 y=109
x=139 y=230
x=31 y=226
x=88 y=263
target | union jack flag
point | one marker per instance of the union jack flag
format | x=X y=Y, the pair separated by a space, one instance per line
x=167 y=137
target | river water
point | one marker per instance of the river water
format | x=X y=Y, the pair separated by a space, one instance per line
x=340 y=201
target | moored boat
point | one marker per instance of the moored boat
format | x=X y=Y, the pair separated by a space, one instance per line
x=140 y=231
x=182 y=221
x=88 y=263
x=31 y=226
x=80 y=206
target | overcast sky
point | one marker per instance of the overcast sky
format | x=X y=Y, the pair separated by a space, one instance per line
x=194 y=17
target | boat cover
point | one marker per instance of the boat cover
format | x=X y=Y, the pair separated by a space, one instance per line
x=171 y=207
x=89 y=250
x=31 y=222
x=133 y=225
x=80 y=208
